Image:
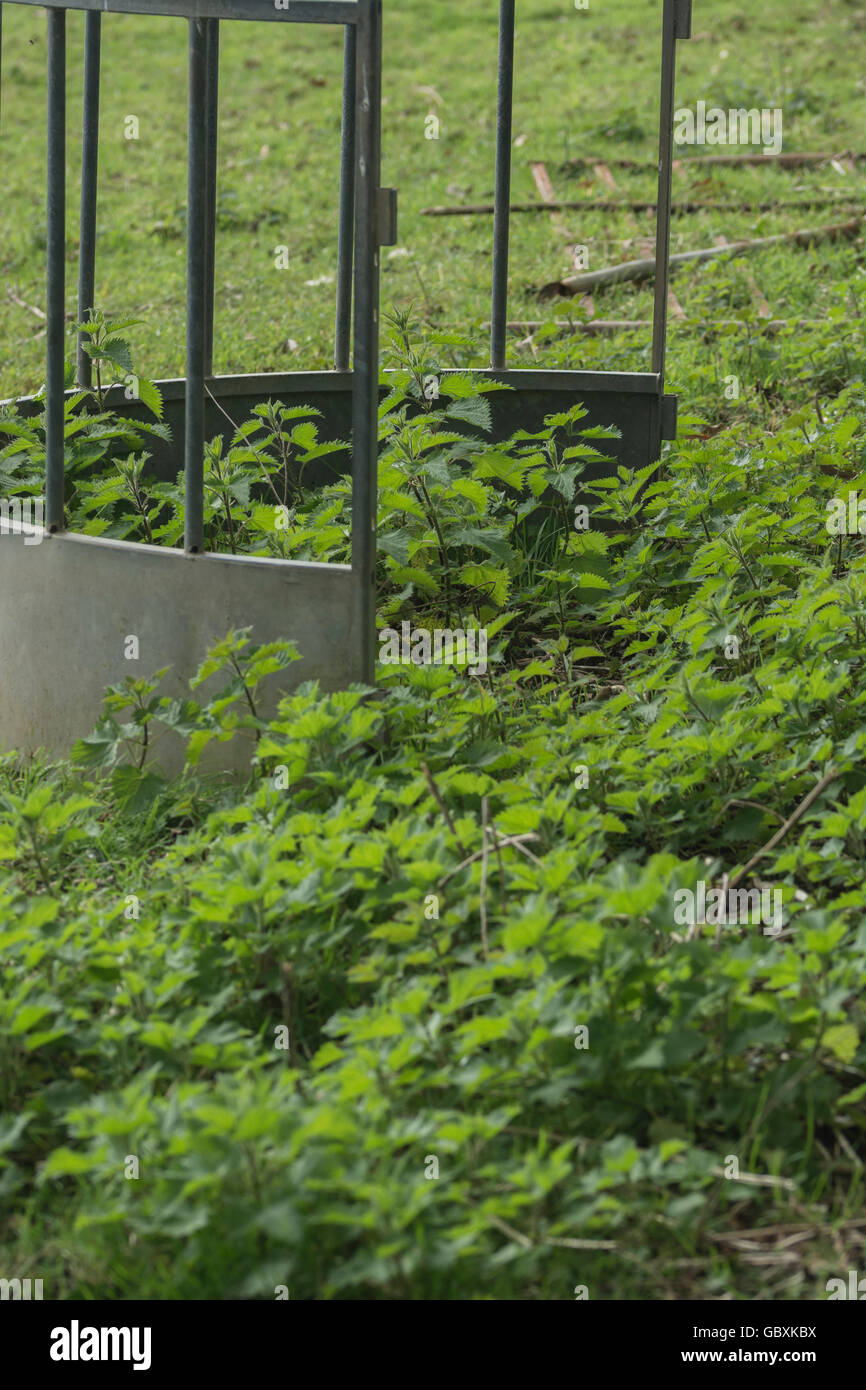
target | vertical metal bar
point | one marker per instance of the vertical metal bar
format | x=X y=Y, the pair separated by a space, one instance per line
x=663 y=204
x=213 y=68
x=55 y=279
x=89 y=166
x=347 y=205
x=365 y=384
x=502 y=195
x=1 y=55
x=196 y=228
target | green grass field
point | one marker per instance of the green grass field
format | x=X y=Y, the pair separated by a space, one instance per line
x=586 y=85
x=407 y=1014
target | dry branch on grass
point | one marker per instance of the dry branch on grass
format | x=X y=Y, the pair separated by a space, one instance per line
x=609 y=326
x=22 y=304
x=645 y=269
x=788 y=161
x=639 y=205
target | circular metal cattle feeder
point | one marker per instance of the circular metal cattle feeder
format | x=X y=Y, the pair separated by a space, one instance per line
x=69 y=603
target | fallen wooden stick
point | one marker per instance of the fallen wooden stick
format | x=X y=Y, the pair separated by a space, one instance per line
x=645 y=269
x=604 y=326
x=820 y=786
x=790 y=161
x=639 y=205
x=22 y=304
x=548 y=196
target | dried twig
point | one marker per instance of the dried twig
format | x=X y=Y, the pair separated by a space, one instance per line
x=854 y=1157
x=566 y=1241
x=581 y=1244
x=484 y=950
x=758 y=1179
x=505 y=842
x=510 y=1232
x=804 y=805
x=755 y=806
x=287 y=1001
x=521 y=848
x=762 y=1232
x=437 y=797
x=498 y=849
x=726 y=883
x=22 y=304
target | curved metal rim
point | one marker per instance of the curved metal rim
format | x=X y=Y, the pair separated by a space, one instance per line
x=253 y=383
x=295 y=12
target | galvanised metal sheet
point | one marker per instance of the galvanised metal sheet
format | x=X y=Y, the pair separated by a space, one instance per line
x=70 y=604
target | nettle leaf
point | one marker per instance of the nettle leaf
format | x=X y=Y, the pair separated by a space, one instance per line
x=843 y=1041
x=398 y=501
x=563 y=418
x=29 y=1015
x=136 y=790
x=477 y=494
x=436 y=438
x=436 y=468
x=115 y=326
x=113 y=350
x=65 y=1162
x=8 y=841
x=150 y=395
x=414 y=577
x=37 y=801
x=395 y=543
x=602 y=432
x=475 y=411
x=585 y=451
x=459 y=385
x=506 y=468
x=563 y=479
x=494 y=584
x=489 y=539
x=11 y=1129
x=587 y=580
x=479 y=1032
